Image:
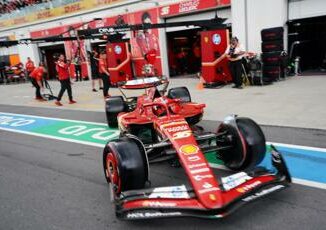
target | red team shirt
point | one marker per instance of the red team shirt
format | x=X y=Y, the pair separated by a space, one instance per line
x=37 y=73
x=30 y=66
x=63 y=70
x=102 y=65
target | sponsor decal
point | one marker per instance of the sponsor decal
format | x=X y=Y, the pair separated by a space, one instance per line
x=208 y=190
x=72 y=8
x=135 y=215
x=189 y=149
x=158 y=204
x=69 y=130
x=200 y=177
x=234 y=180
x=212 y=197
x=248 y=187
x=105 y=30
x=195 y=171
x=44 y=14
x=170 y=192
x=207 y=187
x=165 y=10
x=20 y=20
x=15 y=122
x=177 y=128
x=188 y=6
x=196 y=165
x=117 y=49
x=216 y=39
x=263 y=193
x=180 y=135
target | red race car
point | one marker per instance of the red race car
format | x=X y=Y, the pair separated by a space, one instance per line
x=156 y=127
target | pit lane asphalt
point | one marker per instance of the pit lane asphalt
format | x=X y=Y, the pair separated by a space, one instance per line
x=49 y=184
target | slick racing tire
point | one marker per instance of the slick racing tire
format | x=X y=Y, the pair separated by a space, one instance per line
x=114 y=106
x=125 y=165
x=247 y=141
x=180 y=93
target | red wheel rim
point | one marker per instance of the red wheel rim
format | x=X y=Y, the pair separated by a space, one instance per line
x=112 y=172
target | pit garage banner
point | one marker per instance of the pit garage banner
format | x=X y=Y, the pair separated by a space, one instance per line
x=72 y=8
x=145 y=47
x=189 y=6
x=76 y=52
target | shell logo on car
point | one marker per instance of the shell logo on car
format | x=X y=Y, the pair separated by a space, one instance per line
x=189 y=149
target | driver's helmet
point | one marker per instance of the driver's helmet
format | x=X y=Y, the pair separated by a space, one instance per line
x=159 y=110
x=174 y=108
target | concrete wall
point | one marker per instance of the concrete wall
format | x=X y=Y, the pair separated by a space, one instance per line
x=306 y=8
x=249 y=17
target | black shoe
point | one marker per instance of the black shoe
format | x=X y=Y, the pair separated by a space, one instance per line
x=94 y=90
x=101 y=88
x=234 y=86
x=240 y=87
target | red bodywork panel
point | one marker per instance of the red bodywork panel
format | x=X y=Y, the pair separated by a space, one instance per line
x=119 y=62
x=144 y=114
x=213 y=45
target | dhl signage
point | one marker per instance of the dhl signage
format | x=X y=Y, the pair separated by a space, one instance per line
x=82 y=5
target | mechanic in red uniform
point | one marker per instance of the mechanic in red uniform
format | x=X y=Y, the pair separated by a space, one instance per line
x=64 y=78
x=36 y=78
x=104 y=74
x=29 y=66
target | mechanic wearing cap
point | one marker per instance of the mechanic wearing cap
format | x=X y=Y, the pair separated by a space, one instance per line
x=104 y=74
x=36 y=78
x=63 y=74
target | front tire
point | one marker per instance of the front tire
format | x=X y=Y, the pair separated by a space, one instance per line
x=247 y=141
x=125 y=165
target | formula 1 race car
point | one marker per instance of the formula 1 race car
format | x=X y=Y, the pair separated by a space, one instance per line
x=159 y=127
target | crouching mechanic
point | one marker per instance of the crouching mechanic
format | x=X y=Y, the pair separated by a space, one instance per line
x=64 y=78
x=36 y=78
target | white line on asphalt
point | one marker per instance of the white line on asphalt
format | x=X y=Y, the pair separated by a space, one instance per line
x=309 y=183
x=298 y=147
x=55 y=138
x=58 y=119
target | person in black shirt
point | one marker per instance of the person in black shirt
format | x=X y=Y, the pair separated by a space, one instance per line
x=93 y=58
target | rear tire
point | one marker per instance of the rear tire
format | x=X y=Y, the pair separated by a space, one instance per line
x=248 y=144
x=125 y=165
x=114 y=106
